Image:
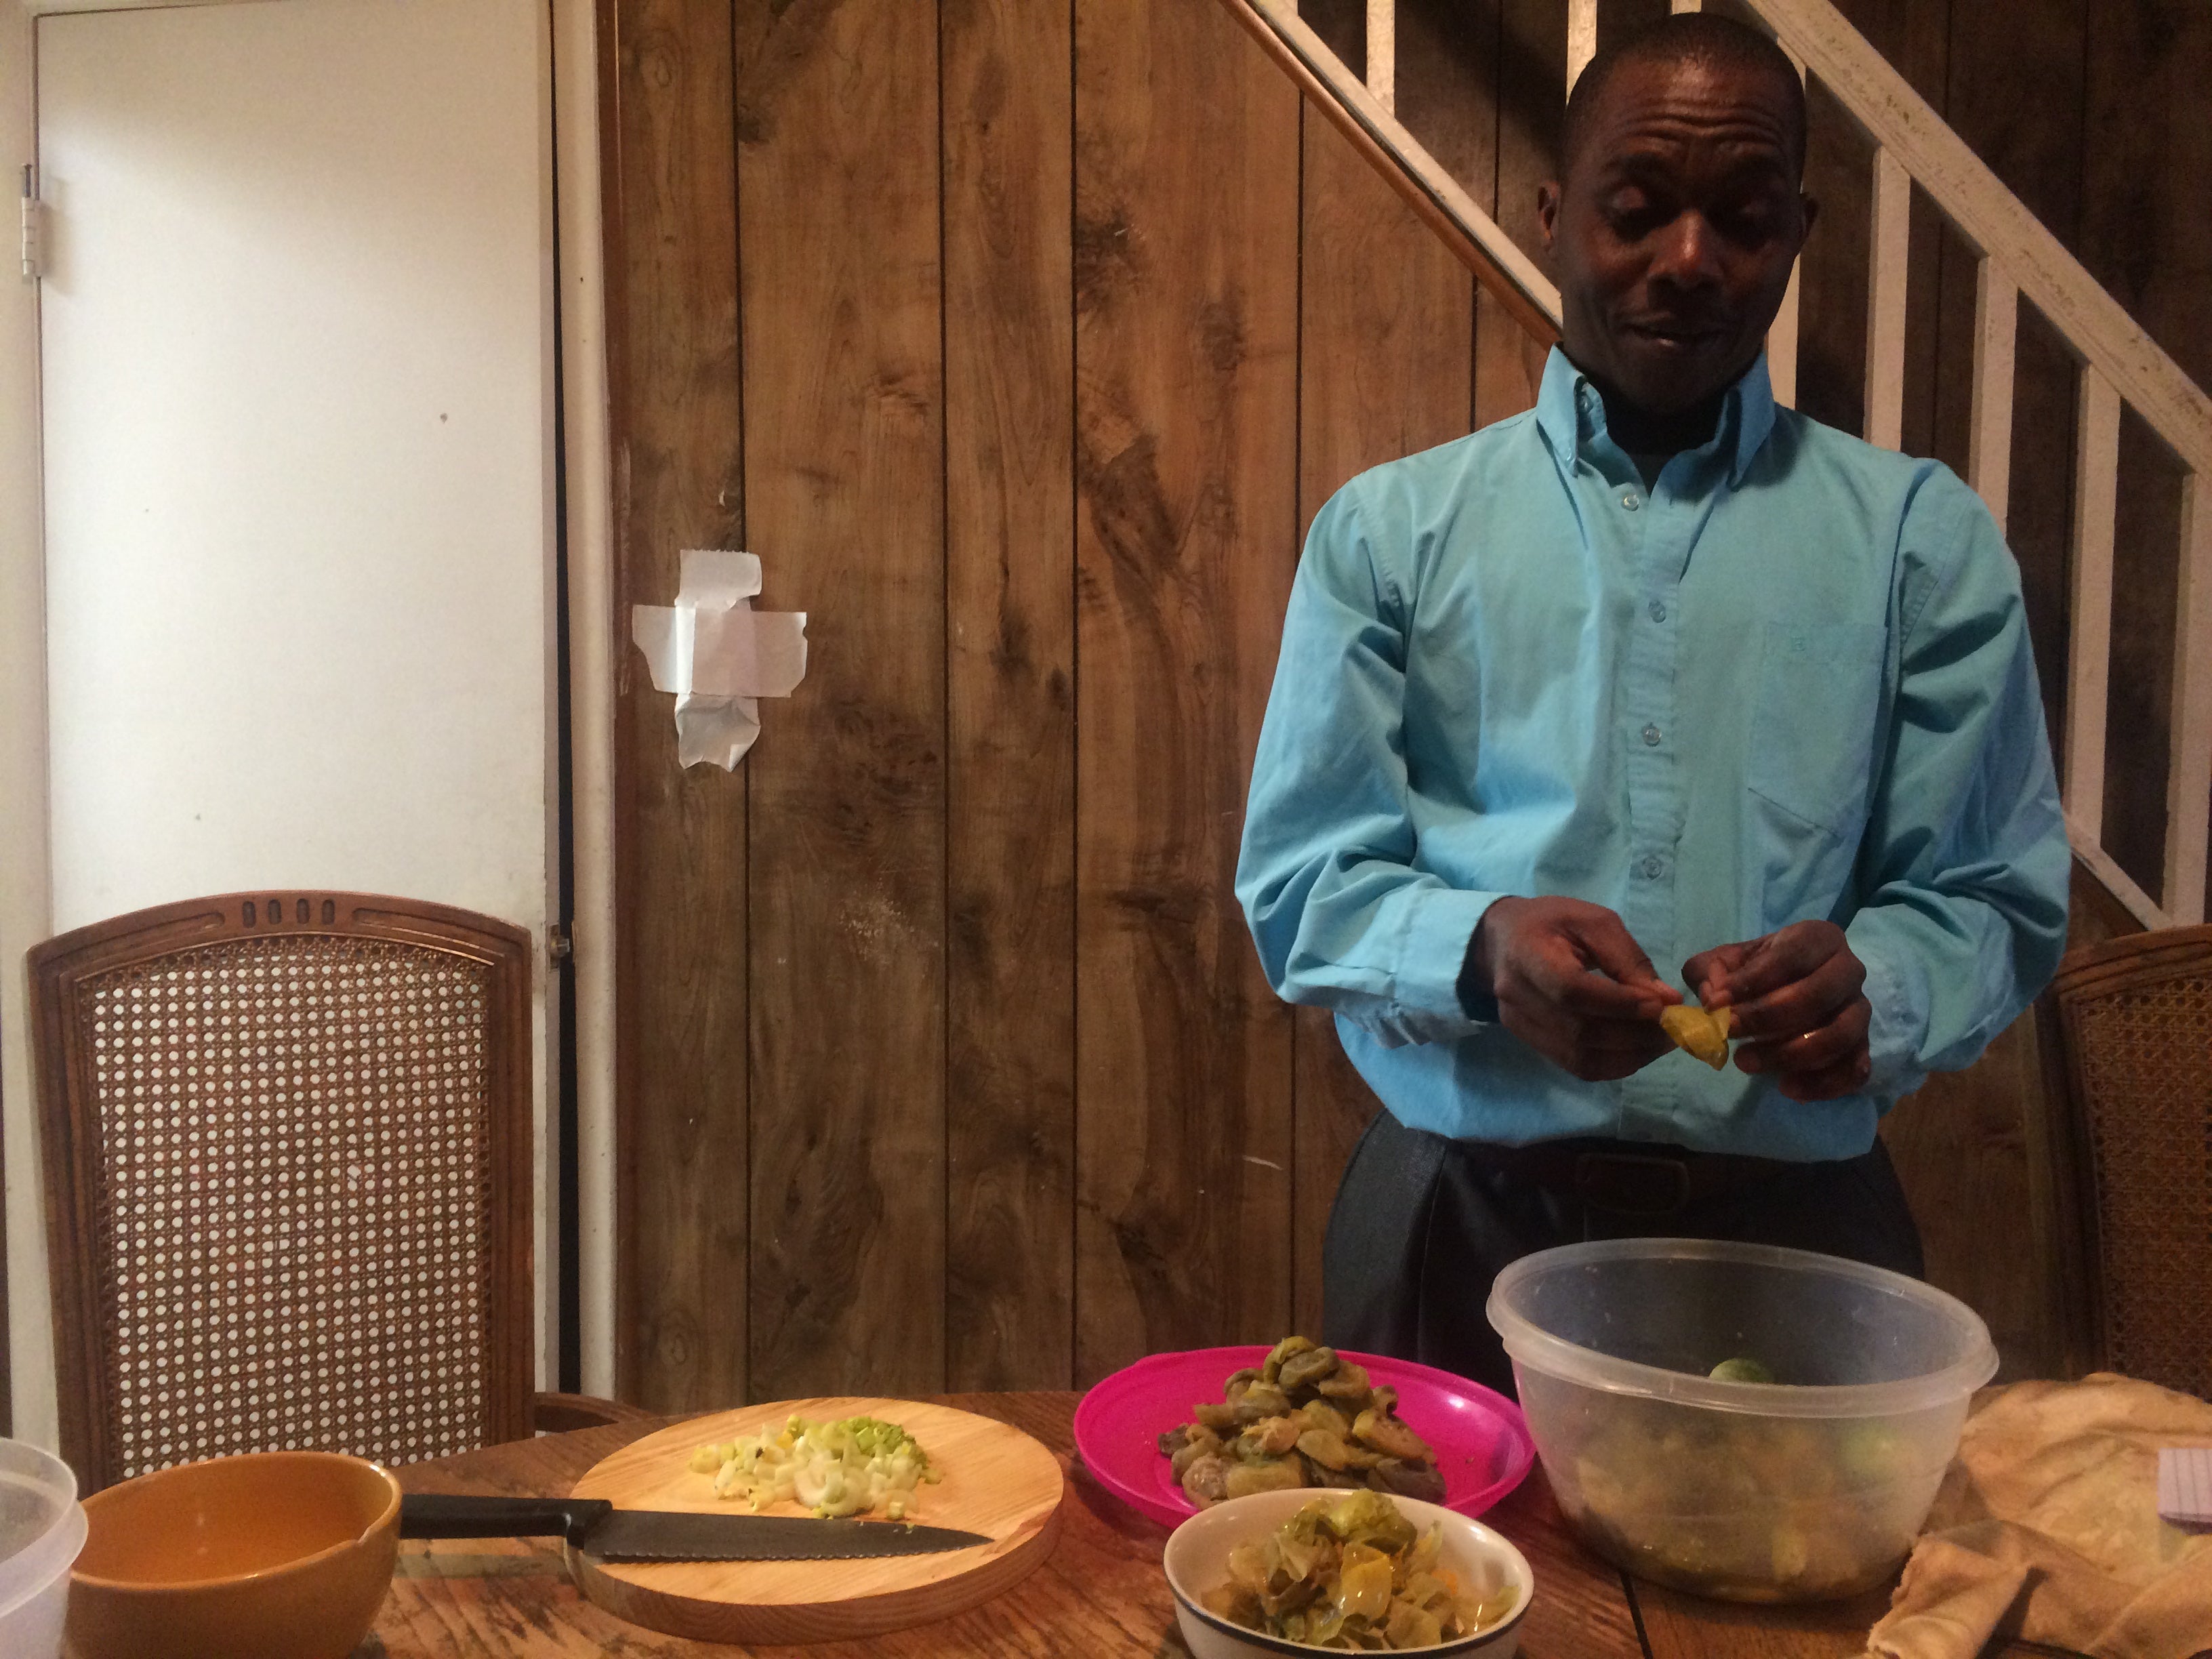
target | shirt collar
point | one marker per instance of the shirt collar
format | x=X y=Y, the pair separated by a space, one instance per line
x=1569 y=412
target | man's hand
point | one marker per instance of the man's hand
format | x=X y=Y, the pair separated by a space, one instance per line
x=1572 y=985
x=1798 y=1005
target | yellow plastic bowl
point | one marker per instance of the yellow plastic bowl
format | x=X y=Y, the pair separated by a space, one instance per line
x=274 y=1555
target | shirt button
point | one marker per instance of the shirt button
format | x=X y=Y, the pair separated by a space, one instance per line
x=1652 y=867
x=1658 y=611
x=1631 y=501
x=1652 y=736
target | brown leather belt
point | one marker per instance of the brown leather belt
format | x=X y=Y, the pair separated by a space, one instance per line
x=1628 y=1177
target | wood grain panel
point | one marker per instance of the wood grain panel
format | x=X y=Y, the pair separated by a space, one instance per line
x=838 y=209
x=680 y=987
x=2146 y=151
x=1959 y=1143
x=1010 y=551
x=1530 y=57
x=1186 y=248
x=1385 y=360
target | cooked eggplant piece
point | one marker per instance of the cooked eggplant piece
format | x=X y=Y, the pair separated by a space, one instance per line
x=1206 y=1480
x=1305 y=1369
x=1272 y=1369
x=1321 y=1414
x=1214 y=1415
x=1271 y=1436
x=1347 y=1381
x=1389 y=1437
x=1419 y=1480
x=1171 y=1440
x=1262 y=1400
x=1267 y=1475
x=1201 y=1444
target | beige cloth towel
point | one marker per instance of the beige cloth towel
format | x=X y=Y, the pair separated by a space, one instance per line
x=2047 y=1530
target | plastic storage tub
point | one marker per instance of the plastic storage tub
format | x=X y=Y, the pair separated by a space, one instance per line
x=41 y=1530
x=1807 y=1488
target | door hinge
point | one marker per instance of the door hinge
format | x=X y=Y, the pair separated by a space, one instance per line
x=34 y=238
x=558 y=944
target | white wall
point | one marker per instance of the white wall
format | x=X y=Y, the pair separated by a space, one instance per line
x=296 y=432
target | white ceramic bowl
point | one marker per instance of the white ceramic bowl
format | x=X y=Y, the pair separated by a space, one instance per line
x=1197 y=1561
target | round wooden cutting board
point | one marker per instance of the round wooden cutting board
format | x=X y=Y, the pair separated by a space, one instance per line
x=997 y=1481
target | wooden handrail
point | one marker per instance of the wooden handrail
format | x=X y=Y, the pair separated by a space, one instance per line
x=1471 y=235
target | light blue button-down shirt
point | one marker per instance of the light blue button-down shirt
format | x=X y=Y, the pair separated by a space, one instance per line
x=1792 y=679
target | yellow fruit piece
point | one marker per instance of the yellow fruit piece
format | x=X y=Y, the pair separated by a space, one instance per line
x=1699 y=1031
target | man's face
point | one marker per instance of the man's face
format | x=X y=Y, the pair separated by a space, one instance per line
x=1675 y=231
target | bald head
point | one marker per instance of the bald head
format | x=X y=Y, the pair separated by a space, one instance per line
x=1700 y=39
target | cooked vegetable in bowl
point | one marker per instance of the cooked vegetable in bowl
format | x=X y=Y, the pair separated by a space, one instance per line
x=1304 y=1417
x=1360 y=1571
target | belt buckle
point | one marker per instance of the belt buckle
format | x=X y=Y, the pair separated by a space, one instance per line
x=1632 y=1183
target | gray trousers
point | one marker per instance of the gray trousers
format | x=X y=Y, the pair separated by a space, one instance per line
x=1422 y=1224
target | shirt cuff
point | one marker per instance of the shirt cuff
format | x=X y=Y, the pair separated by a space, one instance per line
x=1439 y=929
x=1897 y=993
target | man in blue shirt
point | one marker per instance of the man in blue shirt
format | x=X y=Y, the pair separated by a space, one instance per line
x=1655 y=679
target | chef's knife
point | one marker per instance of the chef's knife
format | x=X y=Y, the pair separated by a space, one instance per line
x=607 y=1534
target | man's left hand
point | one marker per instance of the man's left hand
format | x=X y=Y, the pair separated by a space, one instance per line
x=1799 y=1004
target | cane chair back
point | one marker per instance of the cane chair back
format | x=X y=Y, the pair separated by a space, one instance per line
x=287 y=1152
x=2129 y=1026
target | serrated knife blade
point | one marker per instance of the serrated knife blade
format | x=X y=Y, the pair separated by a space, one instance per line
x=607 y=1534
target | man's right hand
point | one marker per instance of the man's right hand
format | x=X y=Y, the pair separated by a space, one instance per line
x=1572 y=984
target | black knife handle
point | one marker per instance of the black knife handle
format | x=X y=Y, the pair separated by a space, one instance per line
x=436 y=1515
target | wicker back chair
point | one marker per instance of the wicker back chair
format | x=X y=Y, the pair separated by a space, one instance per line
x=287 y=1147
x=2127 y=1031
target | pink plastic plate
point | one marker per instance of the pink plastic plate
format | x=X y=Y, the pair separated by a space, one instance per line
x=1481 y=1439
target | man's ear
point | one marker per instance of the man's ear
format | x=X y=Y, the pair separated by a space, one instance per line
x=1812 y=212
x=1547 y=210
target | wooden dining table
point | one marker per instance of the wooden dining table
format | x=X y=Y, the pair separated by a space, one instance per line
x=1101 y=1595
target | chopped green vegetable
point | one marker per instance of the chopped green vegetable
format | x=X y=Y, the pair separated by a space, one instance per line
x=846 y=1468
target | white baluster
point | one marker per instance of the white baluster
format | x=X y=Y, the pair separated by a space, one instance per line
x=1581 y=38
x=1383 y=52
x=1782 y=346
x=2089 y=650
x=2189 y=775
x=1996 y=333
x=1888 y=249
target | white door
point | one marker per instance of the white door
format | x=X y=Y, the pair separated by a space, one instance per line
x=295 y=332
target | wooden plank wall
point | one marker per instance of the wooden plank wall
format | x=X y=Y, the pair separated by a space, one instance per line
x=1022 y=340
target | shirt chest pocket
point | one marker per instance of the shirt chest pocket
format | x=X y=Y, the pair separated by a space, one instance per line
x=1813 y=734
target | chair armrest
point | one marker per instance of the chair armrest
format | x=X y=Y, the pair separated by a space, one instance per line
x=555 y=1413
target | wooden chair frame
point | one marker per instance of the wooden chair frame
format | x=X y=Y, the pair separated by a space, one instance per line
x=84 y=1329
x=2059 y=1143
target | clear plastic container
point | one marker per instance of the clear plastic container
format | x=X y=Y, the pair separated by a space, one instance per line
x=1807 y=1488
x=41 y=1529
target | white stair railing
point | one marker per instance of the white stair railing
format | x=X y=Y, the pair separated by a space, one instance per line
x=2119 y=365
